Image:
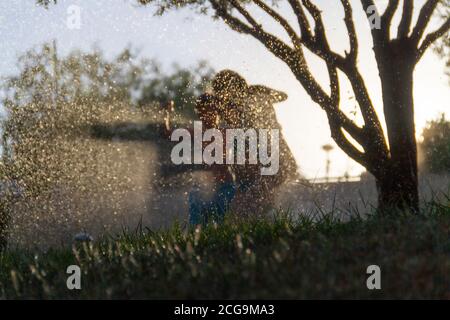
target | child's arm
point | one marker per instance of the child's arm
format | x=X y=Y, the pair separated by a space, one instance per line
x=169 y=109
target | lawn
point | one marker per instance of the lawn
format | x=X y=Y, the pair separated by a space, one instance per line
x=311 y=257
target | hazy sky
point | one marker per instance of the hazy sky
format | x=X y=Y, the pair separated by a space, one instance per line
x=185 y=38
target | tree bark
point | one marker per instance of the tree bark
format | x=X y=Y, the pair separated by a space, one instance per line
x=398 y=182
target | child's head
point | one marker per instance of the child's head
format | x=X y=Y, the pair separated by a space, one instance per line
x=229 y=86
x=231 y=89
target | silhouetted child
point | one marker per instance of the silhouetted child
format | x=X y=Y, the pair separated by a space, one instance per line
x=251 y=107
x=202 y=211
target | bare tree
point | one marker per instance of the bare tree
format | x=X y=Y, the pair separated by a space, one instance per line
x=393 y=162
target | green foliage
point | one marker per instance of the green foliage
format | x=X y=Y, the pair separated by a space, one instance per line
x=313 y=257
x=436 y=146
x=48 y=79
x=55 y=106
x=54 y=102
x=183 y=86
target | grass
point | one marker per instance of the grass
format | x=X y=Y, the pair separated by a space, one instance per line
x=273 y=259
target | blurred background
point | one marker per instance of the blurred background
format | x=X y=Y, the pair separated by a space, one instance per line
x=81 y=115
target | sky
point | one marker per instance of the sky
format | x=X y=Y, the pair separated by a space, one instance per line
x=185 y=38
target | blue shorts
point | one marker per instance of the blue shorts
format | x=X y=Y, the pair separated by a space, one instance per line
x=201 y=211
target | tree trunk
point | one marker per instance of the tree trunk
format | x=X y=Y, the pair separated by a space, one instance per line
x=398 y=182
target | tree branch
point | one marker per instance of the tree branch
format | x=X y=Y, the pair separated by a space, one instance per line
x=348 y=19
x=432 y=37
x=343 y=143
x=234 y=23
x=318 y=44
x=293 y=58
x=381 y=36
x=275 y=45
x=319 y=28
x=334 y=85
x=388 y=15
x=349 y=67
x=283 y=22
x=405 y=23
x=305 y=28
x=424 y=18
x=335 y=113
x=246 y=15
